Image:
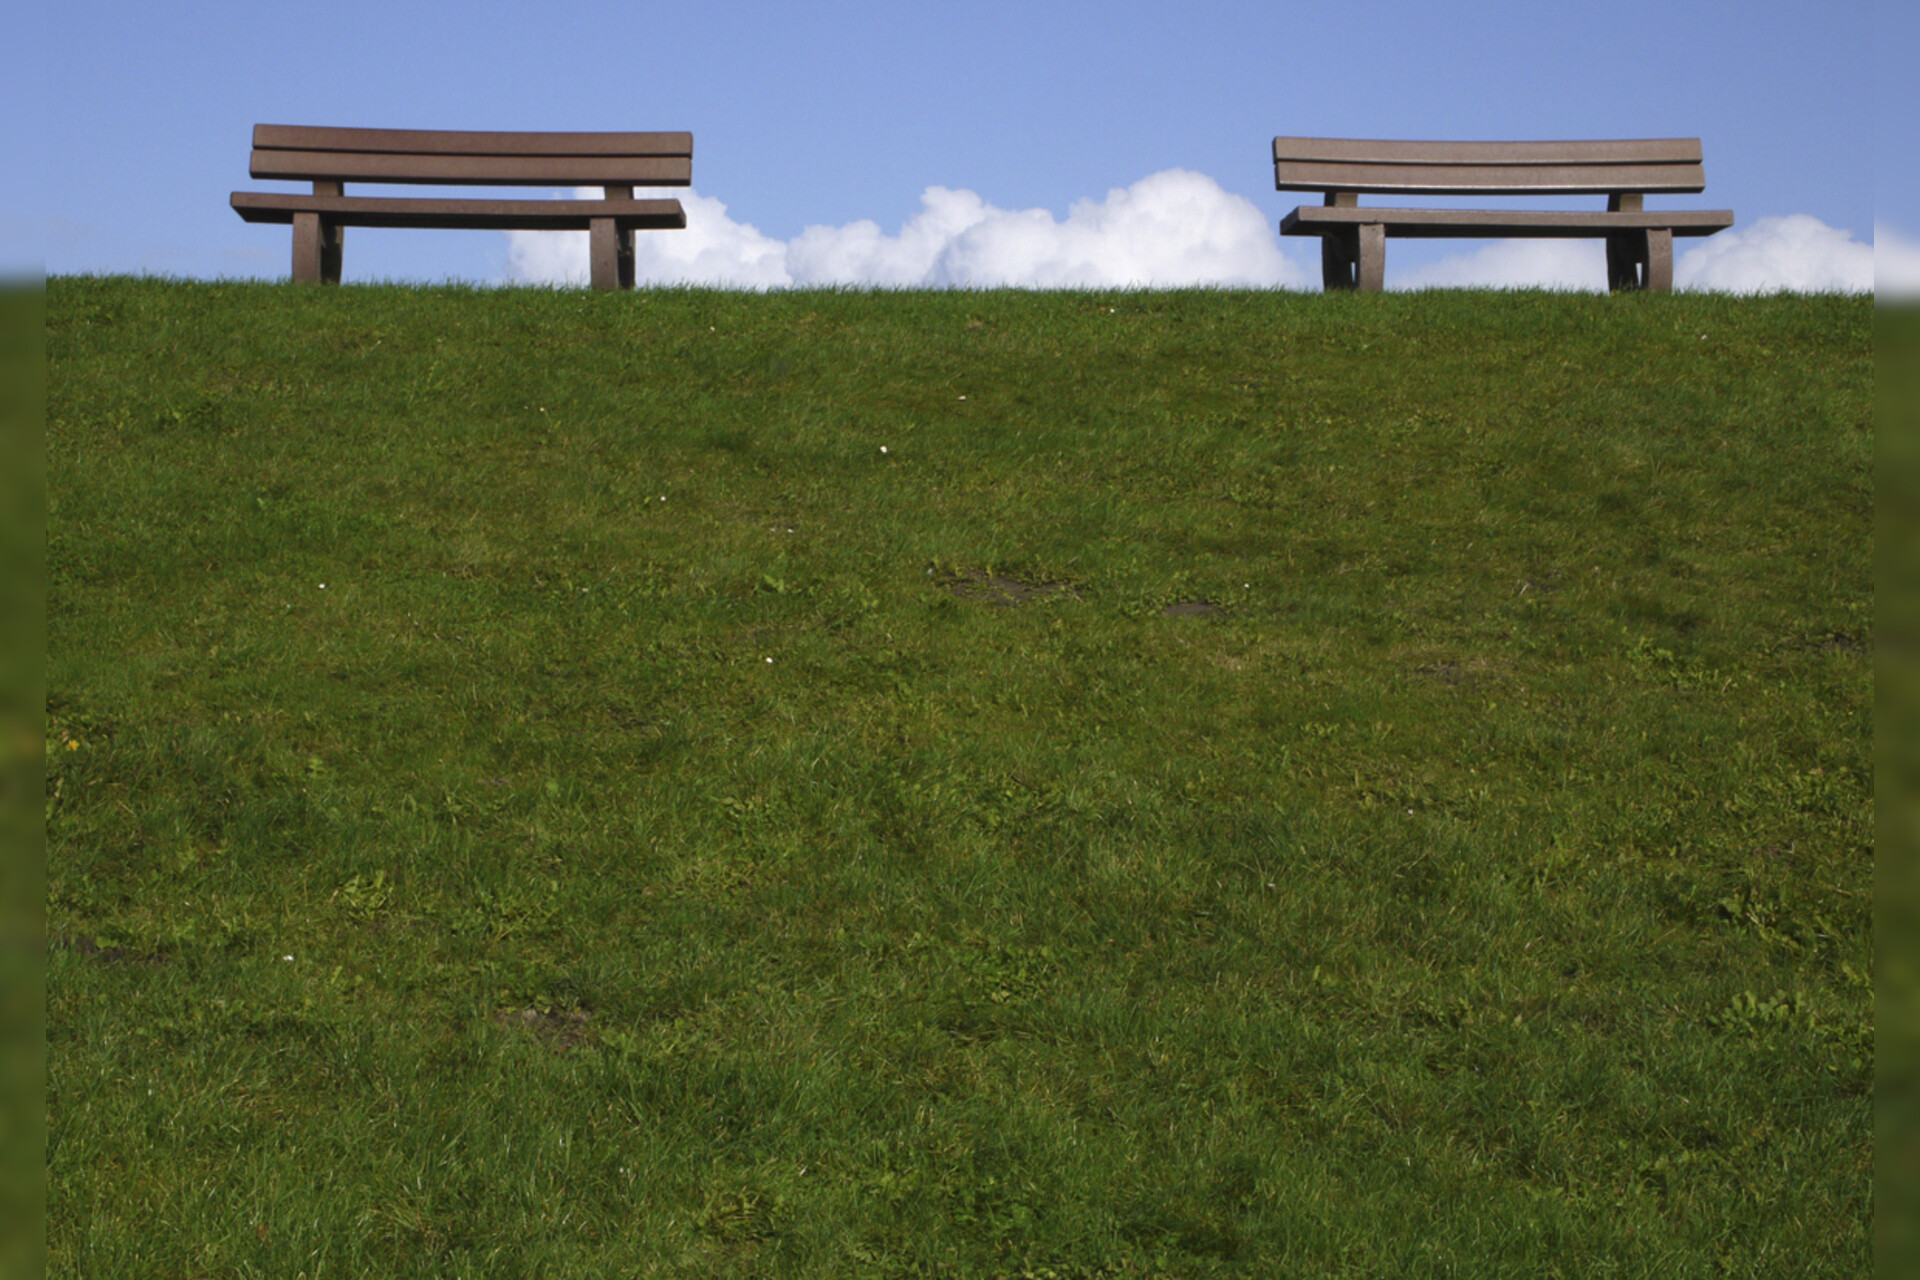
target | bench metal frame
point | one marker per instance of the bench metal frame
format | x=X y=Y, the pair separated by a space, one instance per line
x=330 y=158
x=1353 y=238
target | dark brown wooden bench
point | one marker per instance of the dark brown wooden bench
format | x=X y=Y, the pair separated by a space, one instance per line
x=331 y=158
x=1353 y=247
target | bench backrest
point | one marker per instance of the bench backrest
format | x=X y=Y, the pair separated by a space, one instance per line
x=472 y=159
x=1488 y=168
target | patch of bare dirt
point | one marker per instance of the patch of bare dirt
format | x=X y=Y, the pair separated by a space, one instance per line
x=90 y=949
x=561 y=1030
x=1455 y=674
x=1000 y=591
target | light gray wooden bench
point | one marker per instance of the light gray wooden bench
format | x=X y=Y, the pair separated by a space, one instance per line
x=331 y=158
x=1353 y=249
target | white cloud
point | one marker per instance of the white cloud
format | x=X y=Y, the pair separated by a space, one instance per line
x=1800 y=254
x=1173 y=228
x=1896 y=264
x=1511 y=264
x=1797 y=254
x=860 y=253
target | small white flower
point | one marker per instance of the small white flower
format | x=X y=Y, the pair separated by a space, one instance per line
x=323 y=586
x=883 y=448
x=963 y=397
x=769 y=661
x=287 y=958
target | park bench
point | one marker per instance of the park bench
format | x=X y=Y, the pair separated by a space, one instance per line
x=331 y=158
x=1353 y=247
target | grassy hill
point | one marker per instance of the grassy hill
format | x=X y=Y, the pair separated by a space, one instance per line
x=958 y=784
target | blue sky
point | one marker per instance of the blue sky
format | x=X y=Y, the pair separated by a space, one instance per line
x=827 y=115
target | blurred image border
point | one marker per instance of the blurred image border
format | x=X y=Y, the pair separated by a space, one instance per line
x=22 y=770
x=1897 y=784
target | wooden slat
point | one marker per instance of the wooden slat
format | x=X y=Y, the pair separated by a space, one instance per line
x=498 y=215
x=1505 y=180
x=1374 y=151
x=1316 y=220
x=478 y=171
x=452 y=142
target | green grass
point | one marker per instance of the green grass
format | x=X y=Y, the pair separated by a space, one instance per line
x=958 y=784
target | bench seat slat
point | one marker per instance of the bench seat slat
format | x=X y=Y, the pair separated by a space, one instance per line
x=1488 y=180
x=1313 y=220
x=474 y=171
x=453 y=142
x=497 y=215
x=1377 y=151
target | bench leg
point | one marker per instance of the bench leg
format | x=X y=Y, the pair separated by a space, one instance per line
x=1370 y=272
x=306 y=248
x=317 y=249
x=1640 y=260
x=333 y=247
x=1623 y=268
x=1354 y=258
x=1659 y=274
x=1338 y=249
x=611 y=251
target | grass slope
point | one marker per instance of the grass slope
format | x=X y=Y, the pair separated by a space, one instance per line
x=968 y=784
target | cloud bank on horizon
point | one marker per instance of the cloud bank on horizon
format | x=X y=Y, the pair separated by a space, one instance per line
x=1175 y=228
